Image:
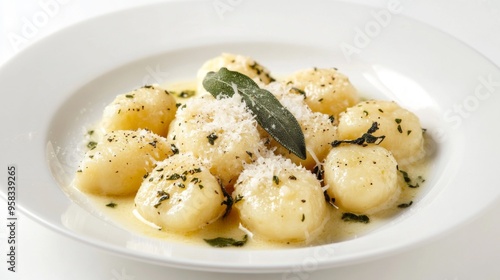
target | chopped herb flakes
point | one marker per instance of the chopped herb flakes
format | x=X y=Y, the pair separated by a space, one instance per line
x=174 y=149
x=221 y=242
x=298 y=91
x=91 y=145
x=162 y=197
x=174 y=176
x=195 y=180
x=319 y=172
x=111 y=205
x=211 y=138
x=185 y=93
x=276 y=179
x=229 y=201
x=153 y=143
x=405 y=205
x=363 y=140
x=350 y=217
x=408 y=180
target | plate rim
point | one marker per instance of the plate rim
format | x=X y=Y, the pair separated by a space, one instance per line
x=236 y=269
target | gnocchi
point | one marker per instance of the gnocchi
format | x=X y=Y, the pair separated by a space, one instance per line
x=326 y=90
x=362 y=180
x=221 y=131
x=233 y=62
x=401 y=128
x=280 y=200
x=204 y=167
x=119 y=161
x=149 y=107
x=180 y=194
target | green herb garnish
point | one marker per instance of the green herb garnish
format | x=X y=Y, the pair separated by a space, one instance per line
x=364 y=139
x=298 y=91
x=276 y=179
x=405 y=205
x=350 y=217
x=174 y=149
x=211 y=138
x=221 y=242
x=186 y=93
x=174 y=176
x=91 y=145
x=229 y=201
x=111 y=205
x=407 y=179
x=163 y=196
x=269 y=113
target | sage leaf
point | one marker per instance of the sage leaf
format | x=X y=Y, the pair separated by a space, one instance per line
x=269 y=113
x=226 y=242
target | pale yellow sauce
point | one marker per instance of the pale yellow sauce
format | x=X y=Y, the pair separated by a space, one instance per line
x=335 y=230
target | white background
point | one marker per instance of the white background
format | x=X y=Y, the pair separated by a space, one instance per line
x=471 y=252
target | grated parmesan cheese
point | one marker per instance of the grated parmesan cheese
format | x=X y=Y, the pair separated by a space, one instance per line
x=221 y=131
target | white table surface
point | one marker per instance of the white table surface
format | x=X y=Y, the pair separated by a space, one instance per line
x=471 y=252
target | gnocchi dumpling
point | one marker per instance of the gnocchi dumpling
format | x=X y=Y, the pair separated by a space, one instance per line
x=119 y=161
x=326 y=90
x=280 y=201
x=401 y=128
x=180 y=194
x=362 y=179
x=243 y=64
x=318 y=129
x=220 y=131
x=149 y=107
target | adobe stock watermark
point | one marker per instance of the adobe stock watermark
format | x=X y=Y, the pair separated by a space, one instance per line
x=154 y=75
x=222 y=7
x=458 y=112
x=31 y=26
x=371 y=29
x=310 y=264
x=121 y=275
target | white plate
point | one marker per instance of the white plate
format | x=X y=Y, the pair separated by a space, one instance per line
x=52 y=89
